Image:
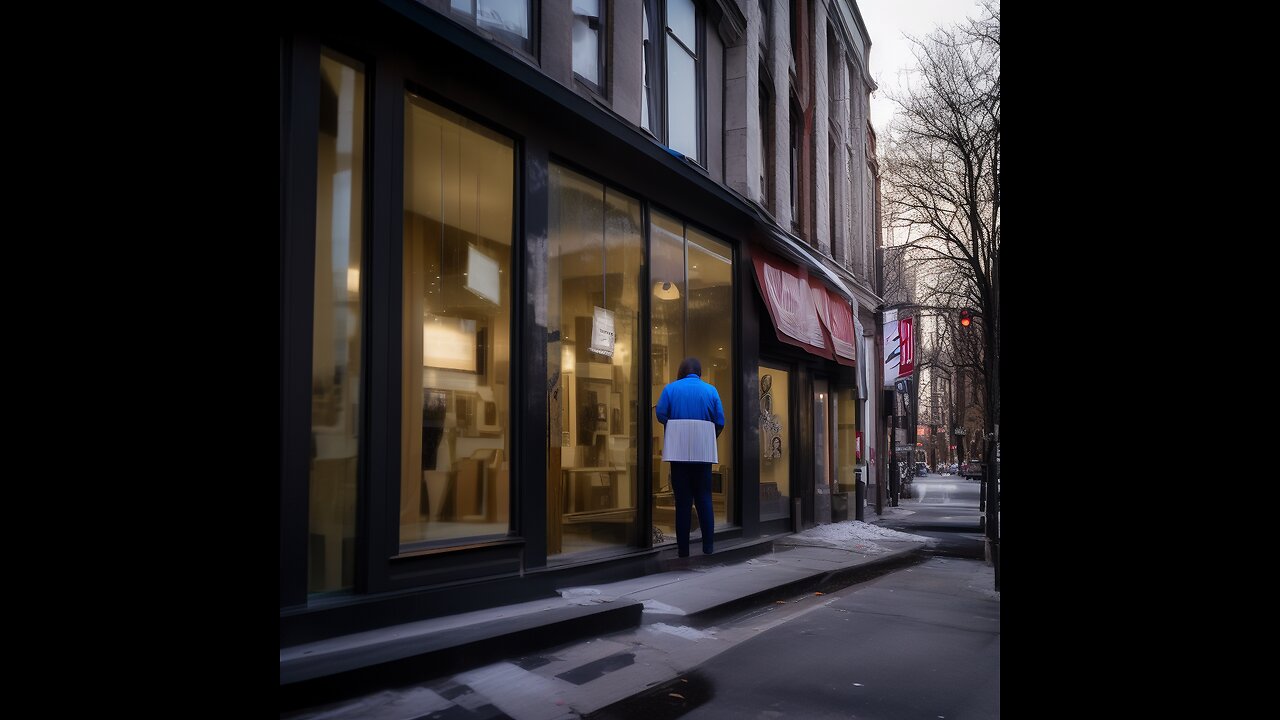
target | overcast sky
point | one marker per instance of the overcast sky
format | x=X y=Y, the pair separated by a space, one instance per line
x=887 y=21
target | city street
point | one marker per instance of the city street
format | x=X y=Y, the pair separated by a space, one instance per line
x=922 y=642
x=919 y=642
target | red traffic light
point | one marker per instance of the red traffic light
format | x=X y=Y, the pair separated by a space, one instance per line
x=966 y=317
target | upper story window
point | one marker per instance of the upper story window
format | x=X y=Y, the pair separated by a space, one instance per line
x=795 y=24
x=672 y=108
x=589 y=42
x=765 y=106
x=835 y=90
x=509 y=20
x=766 y=29
x=794 y=143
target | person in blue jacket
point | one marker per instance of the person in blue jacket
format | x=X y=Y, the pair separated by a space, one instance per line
x=690 y=411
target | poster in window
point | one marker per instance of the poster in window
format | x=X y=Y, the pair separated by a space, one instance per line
x=602 y=336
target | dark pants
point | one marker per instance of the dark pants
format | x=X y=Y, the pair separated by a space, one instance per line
x=691 y=482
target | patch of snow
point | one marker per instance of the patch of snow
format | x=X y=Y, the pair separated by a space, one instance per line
x=583 y=595
x=852 y=532
x=661 y=608
x=687 y=633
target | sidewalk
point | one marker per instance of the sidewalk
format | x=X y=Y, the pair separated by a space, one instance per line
x=649 y=615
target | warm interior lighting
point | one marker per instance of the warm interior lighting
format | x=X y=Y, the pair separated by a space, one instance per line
x=666 y=290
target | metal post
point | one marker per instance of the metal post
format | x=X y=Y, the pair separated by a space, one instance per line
x=893 y=455
x=859 y=499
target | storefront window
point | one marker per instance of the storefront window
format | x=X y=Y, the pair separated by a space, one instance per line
x=710 y=339
x=775 y=443
x=335 y=352
x=692 y=313
x=594 y=268
x=458 y=215
x=846 y=439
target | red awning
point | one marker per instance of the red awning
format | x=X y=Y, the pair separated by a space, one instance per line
x=786 y=291
x=837 y=317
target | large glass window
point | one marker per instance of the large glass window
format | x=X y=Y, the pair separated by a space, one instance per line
x=845 y=412
x=335 y=351
x=458 y=205
x=775 y=443
x=692 y=313
x=595 y=260
x=589 y=41
x=508 y=19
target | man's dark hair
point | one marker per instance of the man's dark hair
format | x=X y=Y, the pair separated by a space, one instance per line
x=689 y=365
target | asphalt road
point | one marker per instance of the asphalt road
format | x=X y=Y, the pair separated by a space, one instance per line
x=923 y=642
x=919 y=642
x=945 y=508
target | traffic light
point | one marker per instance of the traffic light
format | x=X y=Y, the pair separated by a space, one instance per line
x=966 y=317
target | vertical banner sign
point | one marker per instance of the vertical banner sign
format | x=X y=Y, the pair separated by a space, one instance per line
x=858 y=447
x=892 y=348
x=907 y=342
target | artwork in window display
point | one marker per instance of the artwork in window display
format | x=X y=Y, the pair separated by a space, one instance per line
x=769 y=425
x=482 y=275
x=602 y=334
x=449 y=343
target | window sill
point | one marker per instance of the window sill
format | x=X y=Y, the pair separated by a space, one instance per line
x=587 y=88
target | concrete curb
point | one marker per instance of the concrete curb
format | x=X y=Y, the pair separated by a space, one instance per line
x=391 y=658
x=837 y=577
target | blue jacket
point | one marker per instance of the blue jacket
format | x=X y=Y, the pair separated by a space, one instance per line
x=691 y=398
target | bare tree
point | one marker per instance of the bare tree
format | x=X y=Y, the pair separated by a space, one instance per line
x=942 y=186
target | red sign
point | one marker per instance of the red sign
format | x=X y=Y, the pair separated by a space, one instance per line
x=906 y=341
x=858 y=452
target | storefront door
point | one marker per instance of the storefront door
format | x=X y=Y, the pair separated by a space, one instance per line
x=821 y=453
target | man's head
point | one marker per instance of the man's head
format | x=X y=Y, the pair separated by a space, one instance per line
x=689 y=365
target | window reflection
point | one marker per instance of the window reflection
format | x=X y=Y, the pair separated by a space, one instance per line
x=588 y=41
x=594 y=267
x=335 y=354
x=508 y=19
x=457 y=308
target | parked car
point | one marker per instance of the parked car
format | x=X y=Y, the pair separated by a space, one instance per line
x=922 y=469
